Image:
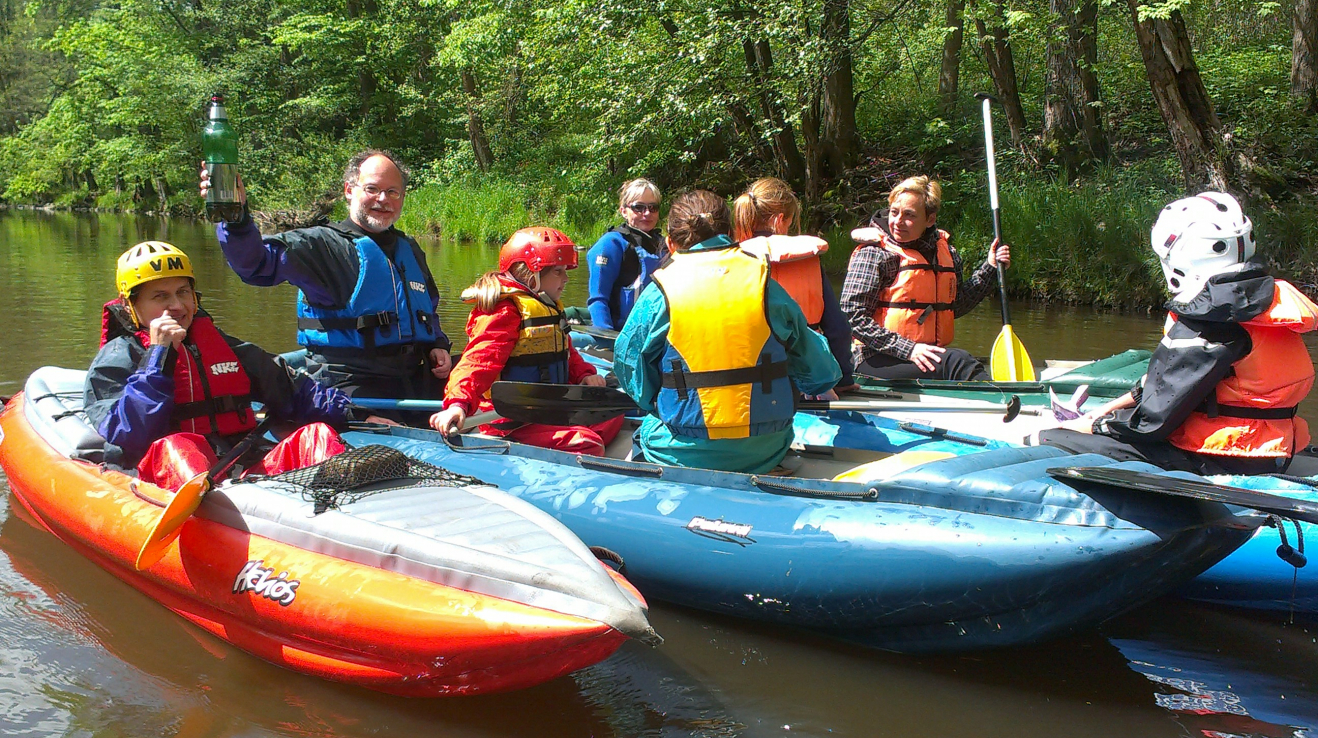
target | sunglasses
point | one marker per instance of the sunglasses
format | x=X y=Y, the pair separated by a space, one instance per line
x=642 y=208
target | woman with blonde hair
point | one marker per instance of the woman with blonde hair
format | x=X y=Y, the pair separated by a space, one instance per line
x=518 y=332
x=623 y=259
x=715 y=351
x=762 y=218
x=905 y=286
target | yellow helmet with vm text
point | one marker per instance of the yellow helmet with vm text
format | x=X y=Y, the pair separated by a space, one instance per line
x=147 y=261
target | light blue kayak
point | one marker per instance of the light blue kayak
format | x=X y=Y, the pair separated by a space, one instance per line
x=969 y=551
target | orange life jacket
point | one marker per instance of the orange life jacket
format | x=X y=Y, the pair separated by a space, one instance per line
x=921 y=291
x=794 y=264
x=1252 y=412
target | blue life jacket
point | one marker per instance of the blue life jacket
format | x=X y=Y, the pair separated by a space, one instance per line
x=723 y=372
x=637 y=269
x=390 y=305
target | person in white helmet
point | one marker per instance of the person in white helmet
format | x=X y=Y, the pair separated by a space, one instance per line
x=1222 y=387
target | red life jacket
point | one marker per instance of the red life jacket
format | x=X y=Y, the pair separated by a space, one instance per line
x=212 y=392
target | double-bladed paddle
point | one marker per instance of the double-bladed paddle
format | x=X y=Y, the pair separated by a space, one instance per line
x=188 y=498
x=1009 y=361
x=579 y=404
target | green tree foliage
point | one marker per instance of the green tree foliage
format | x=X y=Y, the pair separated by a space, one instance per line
x=545 y=107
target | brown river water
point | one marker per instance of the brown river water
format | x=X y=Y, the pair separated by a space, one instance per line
x=83 y=654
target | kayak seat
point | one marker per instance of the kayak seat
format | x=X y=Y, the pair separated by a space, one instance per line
x=52 y=402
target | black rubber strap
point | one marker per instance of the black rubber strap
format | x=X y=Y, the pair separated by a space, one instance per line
x=543 y=359
x=926 y=267
x=213 y=406
x=912 y=305
x=1213 y=409
x=763 y=373
x=364 y=323
x=545 y=320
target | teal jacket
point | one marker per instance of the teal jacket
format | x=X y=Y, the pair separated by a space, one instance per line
x=636 y=362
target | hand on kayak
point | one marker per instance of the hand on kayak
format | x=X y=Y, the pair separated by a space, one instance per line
x=206 y=184
x=592 y=380
x=927 y=356
x=449 y=420
x=1002 y=252
x=441 y=363
x=165 y=331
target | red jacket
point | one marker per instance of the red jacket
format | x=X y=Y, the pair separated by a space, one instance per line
x=491 y=336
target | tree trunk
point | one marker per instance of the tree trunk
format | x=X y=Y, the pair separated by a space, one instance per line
x=1002 y=68
x=1072 y=121
x=1186 y=108
x=480 y=145
x=950 y=73
x=759 y=62
x=1304 y=54
x=1084 y=41
x=838 y=105
x=1061 y=119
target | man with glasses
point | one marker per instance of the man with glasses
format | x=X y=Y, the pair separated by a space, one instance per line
x=367 y=302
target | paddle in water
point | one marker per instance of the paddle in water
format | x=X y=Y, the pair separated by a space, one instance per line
x=188 y=498
x=1009 y=360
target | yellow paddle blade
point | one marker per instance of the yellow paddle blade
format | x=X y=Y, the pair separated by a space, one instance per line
x=879 y=470
x=1010 y=361
x=185 y=502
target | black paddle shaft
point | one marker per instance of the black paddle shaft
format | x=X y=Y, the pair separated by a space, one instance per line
x=1167 y=485
x=223 y=465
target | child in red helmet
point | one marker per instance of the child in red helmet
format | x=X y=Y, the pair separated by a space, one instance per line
x=518 y=332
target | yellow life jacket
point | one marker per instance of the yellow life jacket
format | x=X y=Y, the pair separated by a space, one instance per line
x=794 y=264
x=1253 y=411
x=541 y=352
x=724 y=373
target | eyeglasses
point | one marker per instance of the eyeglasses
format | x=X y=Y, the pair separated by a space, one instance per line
x=641 y=208
x=373 y=191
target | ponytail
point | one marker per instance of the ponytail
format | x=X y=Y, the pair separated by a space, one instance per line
x=487 y=291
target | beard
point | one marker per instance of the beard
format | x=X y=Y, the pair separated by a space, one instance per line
x=376 y=221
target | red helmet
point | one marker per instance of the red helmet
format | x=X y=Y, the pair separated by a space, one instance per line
x=540 y=248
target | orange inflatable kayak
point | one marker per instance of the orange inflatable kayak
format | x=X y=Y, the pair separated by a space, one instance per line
x=422 y=584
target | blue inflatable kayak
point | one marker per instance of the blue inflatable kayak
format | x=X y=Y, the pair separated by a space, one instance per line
x=923 y=550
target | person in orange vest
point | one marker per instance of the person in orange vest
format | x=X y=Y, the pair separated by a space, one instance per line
x=904 y=287
x=518 y=331
x=1222 y=387
x=762 y=218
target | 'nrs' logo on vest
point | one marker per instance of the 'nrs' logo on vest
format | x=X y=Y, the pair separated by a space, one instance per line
x=417 y=286
x=225 y=367
x=256 y=579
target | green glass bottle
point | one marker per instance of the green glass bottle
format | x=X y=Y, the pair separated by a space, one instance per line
x=219 y=145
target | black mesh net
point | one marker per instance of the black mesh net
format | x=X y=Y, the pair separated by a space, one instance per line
x=362 y=472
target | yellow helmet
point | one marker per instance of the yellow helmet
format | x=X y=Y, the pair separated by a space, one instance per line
x=145 y=262
x=150 y=260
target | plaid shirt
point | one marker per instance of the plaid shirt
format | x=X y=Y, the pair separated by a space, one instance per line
x=873 y=269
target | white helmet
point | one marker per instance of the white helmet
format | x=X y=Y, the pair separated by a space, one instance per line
x=1199 y=237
